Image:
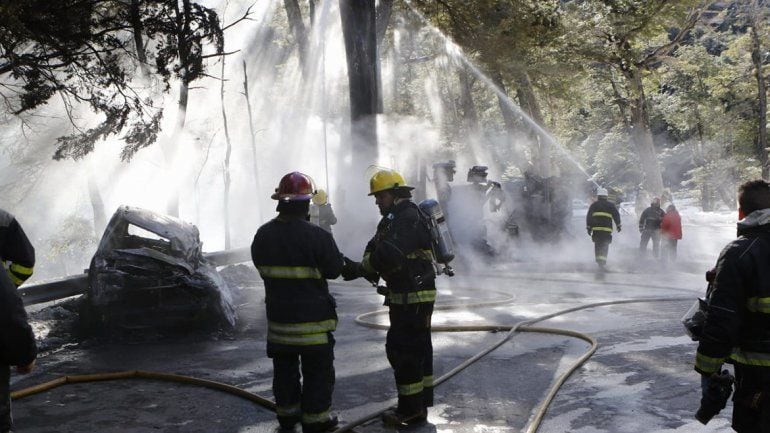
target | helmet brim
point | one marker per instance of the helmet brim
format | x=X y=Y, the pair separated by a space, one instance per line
x=408 y=188
x=291 y=197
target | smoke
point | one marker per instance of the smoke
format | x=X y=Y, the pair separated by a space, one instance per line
x=301 y=123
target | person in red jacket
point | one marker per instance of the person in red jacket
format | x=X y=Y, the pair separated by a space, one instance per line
x=671 y=228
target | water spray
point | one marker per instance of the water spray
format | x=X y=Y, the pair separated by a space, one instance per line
x=457 y=52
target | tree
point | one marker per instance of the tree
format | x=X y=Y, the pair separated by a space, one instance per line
x=633 y=38
x=756 y=15
x=80 y=51
x=508 y=38
x=359 y=32
x=74 y=49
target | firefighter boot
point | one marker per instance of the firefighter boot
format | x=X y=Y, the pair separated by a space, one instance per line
x=394 y=418
x=319 y=427
x=287 y=423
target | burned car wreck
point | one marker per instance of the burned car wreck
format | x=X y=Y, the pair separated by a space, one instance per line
x=149 y=271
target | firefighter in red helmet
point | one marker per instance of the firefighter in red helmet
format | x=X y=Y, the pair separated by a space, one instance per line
x=295 y=258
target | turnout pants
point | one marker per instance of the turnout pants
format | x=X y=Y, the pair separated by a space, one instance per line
x=303 y=381
x=602 y=242
x=648 y=234
x=751 y=401
x=6 y=420
x=410 y=352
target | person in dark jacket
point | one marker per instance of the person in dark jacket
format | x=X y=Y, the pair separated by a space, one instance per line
x=17 y=345
x=295 y=258
x=649 y=227
x=16 y=251
x=321 y=212
x=737 y=326
x=400 y=252
x=671 y=229
x=599 y=220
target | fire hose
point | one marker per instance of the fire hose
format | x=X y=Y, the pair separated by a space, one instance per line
x=523 y=326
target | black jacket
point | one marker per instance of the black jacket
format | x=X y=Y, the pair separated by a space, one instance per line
x=651 y=218
x=400 y=252
x=15 y=248
x=294 y=258
x=600 y=216
x=17 y=342
x=738 y=314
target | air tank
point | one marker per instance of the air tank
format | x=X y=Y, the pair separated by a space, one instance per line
x=441 y=238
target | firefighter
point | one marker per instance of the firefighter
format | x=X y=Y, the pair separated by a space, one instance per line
x=649 y=227
x=321 y=212
x=443 y=174
x=400 y=253
x=599 y=220
x=16 y=251
x=295 y=258
x=737 y=325
x=17 y=342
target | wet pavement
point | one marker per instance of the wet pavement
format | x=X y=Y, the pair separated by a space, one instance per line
x=640 y=379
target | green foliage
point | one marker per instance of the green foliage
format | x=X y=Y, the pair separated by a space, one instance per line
x=73 y=243
x=83 y=51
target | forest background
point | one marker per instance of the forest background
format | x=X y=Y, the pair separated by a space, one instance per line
x=645 y=97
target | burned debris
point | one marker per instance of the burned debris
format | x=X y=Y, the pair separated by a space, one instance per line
x=149 y=271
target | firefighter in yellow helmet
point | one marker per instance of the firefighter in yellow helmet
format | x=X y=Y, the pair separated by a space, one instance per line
x=295 y=258
x=321 y=213
x=400 y=253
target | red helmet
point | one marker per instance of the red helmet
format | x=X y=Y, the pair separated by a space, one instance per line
x=293 y=187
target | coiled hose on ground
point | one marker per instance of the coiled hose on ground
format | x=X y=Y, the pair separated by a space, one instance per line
x=523 y=326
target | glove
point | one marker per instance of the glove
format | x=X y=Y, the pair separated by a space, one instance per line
x=716 y=390
x=619 y=227
x=588 y=229
x=350 y=269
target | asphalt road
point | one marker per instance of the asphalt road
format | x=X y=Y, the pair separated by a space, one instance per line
x=639 y=380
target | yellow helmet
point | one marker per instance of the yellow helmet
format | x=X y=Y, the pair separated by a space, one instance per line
x=385 y=179
x=320 y=197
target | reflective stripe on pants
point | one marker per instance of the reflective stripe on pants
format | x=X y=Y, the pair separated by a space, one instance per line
x=410 y=352
x=311 y=391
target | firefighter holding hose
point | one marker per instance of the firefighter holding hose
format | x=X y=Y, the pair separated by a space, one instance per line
x=400 y=253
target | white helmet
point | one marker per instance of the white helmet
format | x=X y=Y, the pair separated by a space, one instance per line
x=601 y=192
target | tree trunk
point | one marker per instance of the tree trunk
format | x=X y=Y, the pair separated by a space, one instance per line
x=756 y=58
x=228 y=151
x=359 y=32
x=384 y=10
x=382 y=19
x=641 y=134
x=294 y=14
x=509 y=119
x=170 y=147
x=97 y=205
x=253 y=136
x=136 y=24
x=528 y=102
x=470 y=115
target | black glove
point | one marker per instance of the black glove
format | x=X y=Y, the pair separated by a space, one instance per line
x=716 y=390
x=588 y=229
x=350 y=270
x=619 y=229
